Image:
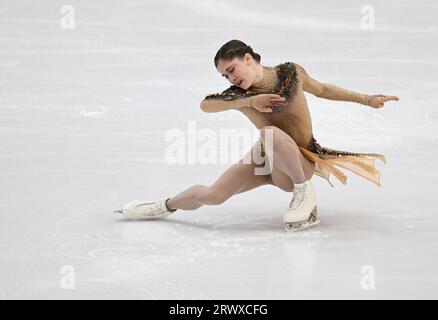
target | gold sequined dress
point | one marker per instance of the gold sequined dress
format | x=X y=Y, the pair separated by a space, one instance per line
x=327 y=161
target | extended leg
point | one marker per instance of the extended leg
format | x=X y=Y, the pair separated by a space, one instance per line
x=238 y=178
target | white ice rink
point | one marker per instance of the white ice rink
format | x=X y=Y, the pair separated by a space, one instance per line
x=83 y=118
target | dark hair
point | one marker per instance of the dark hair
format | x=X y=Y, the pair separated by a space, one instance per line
x=235 y=48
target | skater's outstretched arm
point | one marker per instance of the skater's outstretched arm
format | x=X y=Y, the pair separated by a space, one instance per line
x=333 y=92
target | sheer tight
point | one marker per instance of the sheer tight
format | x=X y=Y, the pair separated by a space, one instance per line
x=288 y=166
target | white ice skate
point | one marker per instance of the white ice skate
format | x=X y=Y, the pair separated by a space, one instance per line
x=143 y=210
x=302 y=211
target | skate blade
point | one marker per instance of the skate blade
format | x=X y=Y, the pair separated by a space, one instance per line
x=298 y=226
x=293 y=227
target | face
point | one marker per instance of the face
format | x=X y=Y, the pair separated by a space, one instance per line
x=239 y=72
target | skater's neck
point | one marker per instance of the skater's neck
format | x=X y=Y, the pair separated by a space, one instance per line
x=266 y=80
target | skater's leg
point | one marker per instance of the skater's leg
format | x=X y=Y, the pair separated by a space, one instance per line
x=291 y=171
x=289 y=166
x=238 y=178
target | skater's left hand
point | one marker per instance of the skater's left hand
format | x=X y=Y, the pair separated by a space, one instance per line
x=377 y=101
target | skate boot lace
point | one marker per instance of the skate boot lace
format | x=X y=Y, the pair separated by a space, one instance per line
x=298 y=198
x=141 y=207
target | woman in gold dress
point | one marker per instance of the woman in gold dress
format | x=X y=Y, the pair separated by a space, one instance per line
x=273 y=99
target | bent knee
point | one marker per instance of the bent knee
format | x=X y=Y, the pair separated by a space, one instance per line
x=266 y=131
x=275 y=135
x=284 y=184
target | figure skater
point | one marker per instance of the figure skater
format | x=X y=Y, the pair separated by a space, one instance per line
x=273 y=99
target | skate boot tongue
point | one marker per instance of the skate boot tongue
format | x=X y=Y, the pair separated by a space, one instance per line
x=298 y=195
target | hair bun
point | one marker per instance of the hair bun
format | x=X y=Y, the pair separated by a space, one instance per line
x=235 y=48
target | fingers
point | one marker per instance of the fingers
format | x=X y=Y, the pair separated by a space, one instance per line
x=384 y=98
x=279 y=99
x=279 y=102
x=275 y=96
x=266 y=109
x=380 y=99
x=390 y=98
x=271 y=109
x=270 y=102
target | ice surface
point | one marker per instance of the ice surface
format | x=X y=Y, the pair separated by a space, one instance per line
x=83 y=117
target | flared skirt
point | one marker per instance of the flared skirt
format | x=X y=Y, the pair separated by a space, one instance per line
x=330 y=161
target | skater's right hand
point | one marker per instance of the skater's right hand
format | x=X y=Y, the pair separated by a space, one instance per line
x=267 y=102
